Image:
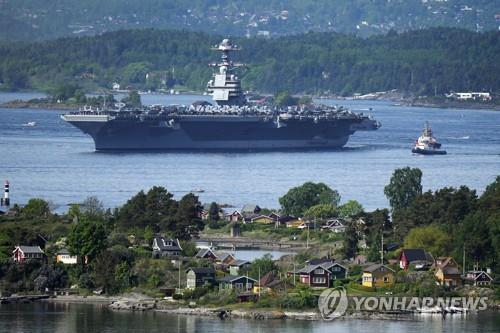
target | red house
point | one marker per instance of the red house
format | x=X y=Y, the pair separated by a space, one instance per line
x=416 y=257
x=22 y=253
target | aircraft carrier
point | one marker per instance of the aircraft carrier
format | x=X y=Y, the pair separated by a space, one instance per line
x=230 y=124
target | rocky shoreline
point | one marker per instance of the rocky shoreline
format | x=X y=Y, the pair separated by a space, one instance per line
x=140 y=303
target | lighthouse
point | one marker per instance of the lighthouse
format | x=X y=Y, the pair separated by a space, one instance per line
x=5 y=201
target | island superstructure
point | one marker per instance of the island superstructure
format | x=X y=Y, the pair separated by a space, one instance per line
x=230 y=124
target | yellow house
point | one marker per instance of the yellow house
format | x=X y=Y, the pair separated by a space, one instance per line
x=378 y=275
x=447 y=272
x=262 y=219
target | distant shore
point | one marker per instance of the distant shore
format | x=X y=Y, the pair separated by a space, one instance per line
x=18 y=104
x=395 y=99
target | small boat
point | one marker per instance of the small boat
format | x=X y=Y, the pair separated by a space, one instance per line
x=197 y=190
x=29 y=124
x=427 y=144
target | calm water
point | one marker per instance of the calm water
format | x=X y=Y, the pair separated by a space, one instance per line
x=69 y=318
x=57 y=162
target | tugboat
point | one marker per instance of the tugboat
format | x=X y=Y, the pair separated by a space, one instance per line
x=427 y=144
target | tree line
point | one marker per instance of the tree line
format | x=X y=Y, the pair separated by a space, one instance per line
x=422 y=62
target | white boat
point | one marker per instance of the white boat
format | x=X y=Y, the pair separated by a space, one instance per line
x=29 y=124
x=427 y=144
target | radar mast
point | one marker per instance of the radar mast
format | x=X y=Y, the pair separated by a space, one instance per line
x=225 y=86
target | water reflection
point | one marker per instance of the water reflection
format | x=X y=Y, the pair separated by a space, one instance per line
x=69 y=318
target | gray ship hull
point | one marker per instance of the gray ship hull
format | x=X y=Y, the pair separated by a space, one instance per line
x=199 y=133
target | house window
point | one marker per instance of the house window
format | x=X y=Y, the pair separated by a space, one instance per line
x=386 y=279
x=319 y=271
x=336 y=269
x=238 y=285
x=319 y=280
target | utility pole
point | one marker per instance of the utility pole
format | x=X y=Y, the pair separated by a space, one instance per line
x=463 y=264
x=259 y=283
x=382 y=250
x=307 y=241
x=180 y=263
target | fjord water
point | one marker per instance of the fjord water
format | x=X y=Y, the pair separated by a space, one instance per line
x=57 y=162
x=68 y=318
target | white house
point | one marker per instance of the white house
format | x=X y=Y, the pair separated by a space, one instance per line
x=66 y=258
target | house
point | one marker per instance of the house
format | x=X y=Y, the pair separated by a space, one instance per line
x=263 y=219
x=360 y=259
x=335 y=225
x=478 y=278
x=232 y=216
x=283 y=220
x=294 y=223
x=238 y=266
x=116 y=86
x=274 y=216
x=206 y=253
x=447 y=272
x=391 y=247
x=239 y=283
x=63 y=256
x=205 y=212
x=321 y=275
x=417 y=258
x=247 y=218
x=317 y=261
x=199 y=277
x=269 y=283
x=377 y=275
x=23 y=252
x=163 y=247
x=224 y=258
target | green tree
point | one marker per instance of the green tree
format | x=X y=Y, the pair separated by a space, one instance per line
x=148 y=234
x=285 y=99
x=187 y=222
x=404 y=186
x=92 y=208
x=87 y=239
x=431 y=238
x=214 y=212
x=489 y=202
x=74 y=212
x=350 y=247
x=133 y=99
x=350 y=208
x=189 y=248
x=36 y=209
x=155 y=209
x=133 y=213
x=321 y=211
x=445 y=207
x=298 y=199
x=474 y=235
x=305 y=100
x=262 y=265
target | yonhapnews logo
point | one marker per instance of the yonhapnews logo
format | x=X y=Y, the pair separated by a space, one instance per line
x=333 y=303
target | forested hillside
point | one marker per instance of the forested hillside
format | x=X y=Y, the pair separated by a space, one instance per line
x=422 y=62
x=33 y=19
